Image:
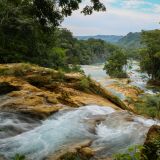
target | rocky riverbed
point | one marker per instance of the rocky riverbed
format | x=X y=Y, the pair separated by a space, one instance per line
x=46 y=114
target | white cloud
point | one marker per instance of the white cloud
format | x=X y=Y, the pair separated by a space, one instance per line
x=134 y=3
x=156 y=8
x=117 y=21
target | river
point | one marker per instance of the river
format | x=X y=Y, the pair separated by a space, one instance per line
x=109 y=131
x=115 y=132
x=137 y=78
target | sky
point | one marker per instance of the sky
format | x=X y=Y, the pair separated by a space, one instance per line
x=121 y=17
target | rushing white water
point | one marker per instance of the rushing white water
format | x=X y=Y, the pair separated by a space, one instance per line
x=98 y=74
x=115 y=131
x=12 y=124
x=138 y=78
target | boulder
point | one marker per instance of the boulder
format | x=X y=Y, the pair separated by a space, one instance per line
x=87 y=152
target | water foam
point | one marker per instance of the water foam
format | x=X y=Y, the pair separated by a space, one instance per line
x=116 y=131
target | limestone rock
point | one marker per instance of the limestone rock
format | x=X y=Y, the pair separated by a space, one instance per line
x=40 y=91
x=87 y=152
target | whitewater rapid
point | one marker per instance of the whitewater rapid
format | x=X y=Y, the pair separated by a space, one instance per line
x=138 y=79
x=110 y=132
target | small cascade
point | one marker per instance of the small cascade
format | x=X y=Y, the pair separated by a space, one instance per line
x=110 y=132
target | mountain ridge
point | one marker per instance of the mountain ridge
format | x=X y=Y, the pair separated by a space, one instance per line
x=107 y=38
x=131 y=40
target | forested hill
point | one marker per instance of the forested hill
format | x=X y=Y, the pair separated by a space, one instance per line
x=107 y=38
x=131 y=40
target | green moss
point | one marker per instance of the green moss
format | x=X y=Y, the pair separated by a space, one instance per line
x=84 y=84
x=39 y=80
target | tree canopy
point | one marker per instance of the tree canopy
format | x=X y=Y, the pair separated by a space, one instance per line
x=28 y=29
x=115 y=64
x=150 y=54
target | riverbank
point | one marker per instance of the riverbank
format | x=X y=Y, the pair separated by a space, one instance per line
x=45 y=112
x=42 y=91
x=133 y=91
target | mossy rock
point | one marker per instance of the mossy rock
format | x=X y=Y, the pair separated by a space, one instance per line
x=152 y=143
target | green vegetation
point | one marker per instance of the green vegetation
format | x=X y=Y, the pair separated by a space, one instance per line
x=131 y=41
x=116 y=63
x=18 y=157
x=152 y=143
x=107 y=38
x=133 y=153
x=152 y=149
x=84 y=83
x=150 y=55
x=91 y=51
x=149 y=105
x=29 y=33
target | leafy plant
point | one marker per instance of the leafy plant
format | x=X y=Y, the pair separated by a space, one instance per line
x=18 y=157
x=133 y=153
x=152 y=149
x=115 y=64
x=84 y=83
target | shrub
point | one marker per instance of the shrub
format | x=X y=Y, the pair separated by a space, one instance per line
x=133 y=153
x=115 y=64
x=5 y=71
x=152 y=150
x=84 y=83
x=16 y=70
x=61 y=75
x=77 y=68
x=152 y=144
x=18 y=157
x=149 y=105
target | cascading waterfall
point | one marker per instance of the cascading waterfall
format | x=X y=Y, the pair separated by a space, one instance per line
x=110 y=132
x=138 y=79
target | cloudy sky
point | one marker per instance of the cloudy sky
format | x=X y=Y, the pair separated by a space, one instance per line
x=121 y=17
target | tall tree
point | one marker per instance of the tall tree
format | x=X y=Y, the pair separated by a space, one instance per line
x=150 y=55
x=114 y=65
x=27 y=27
